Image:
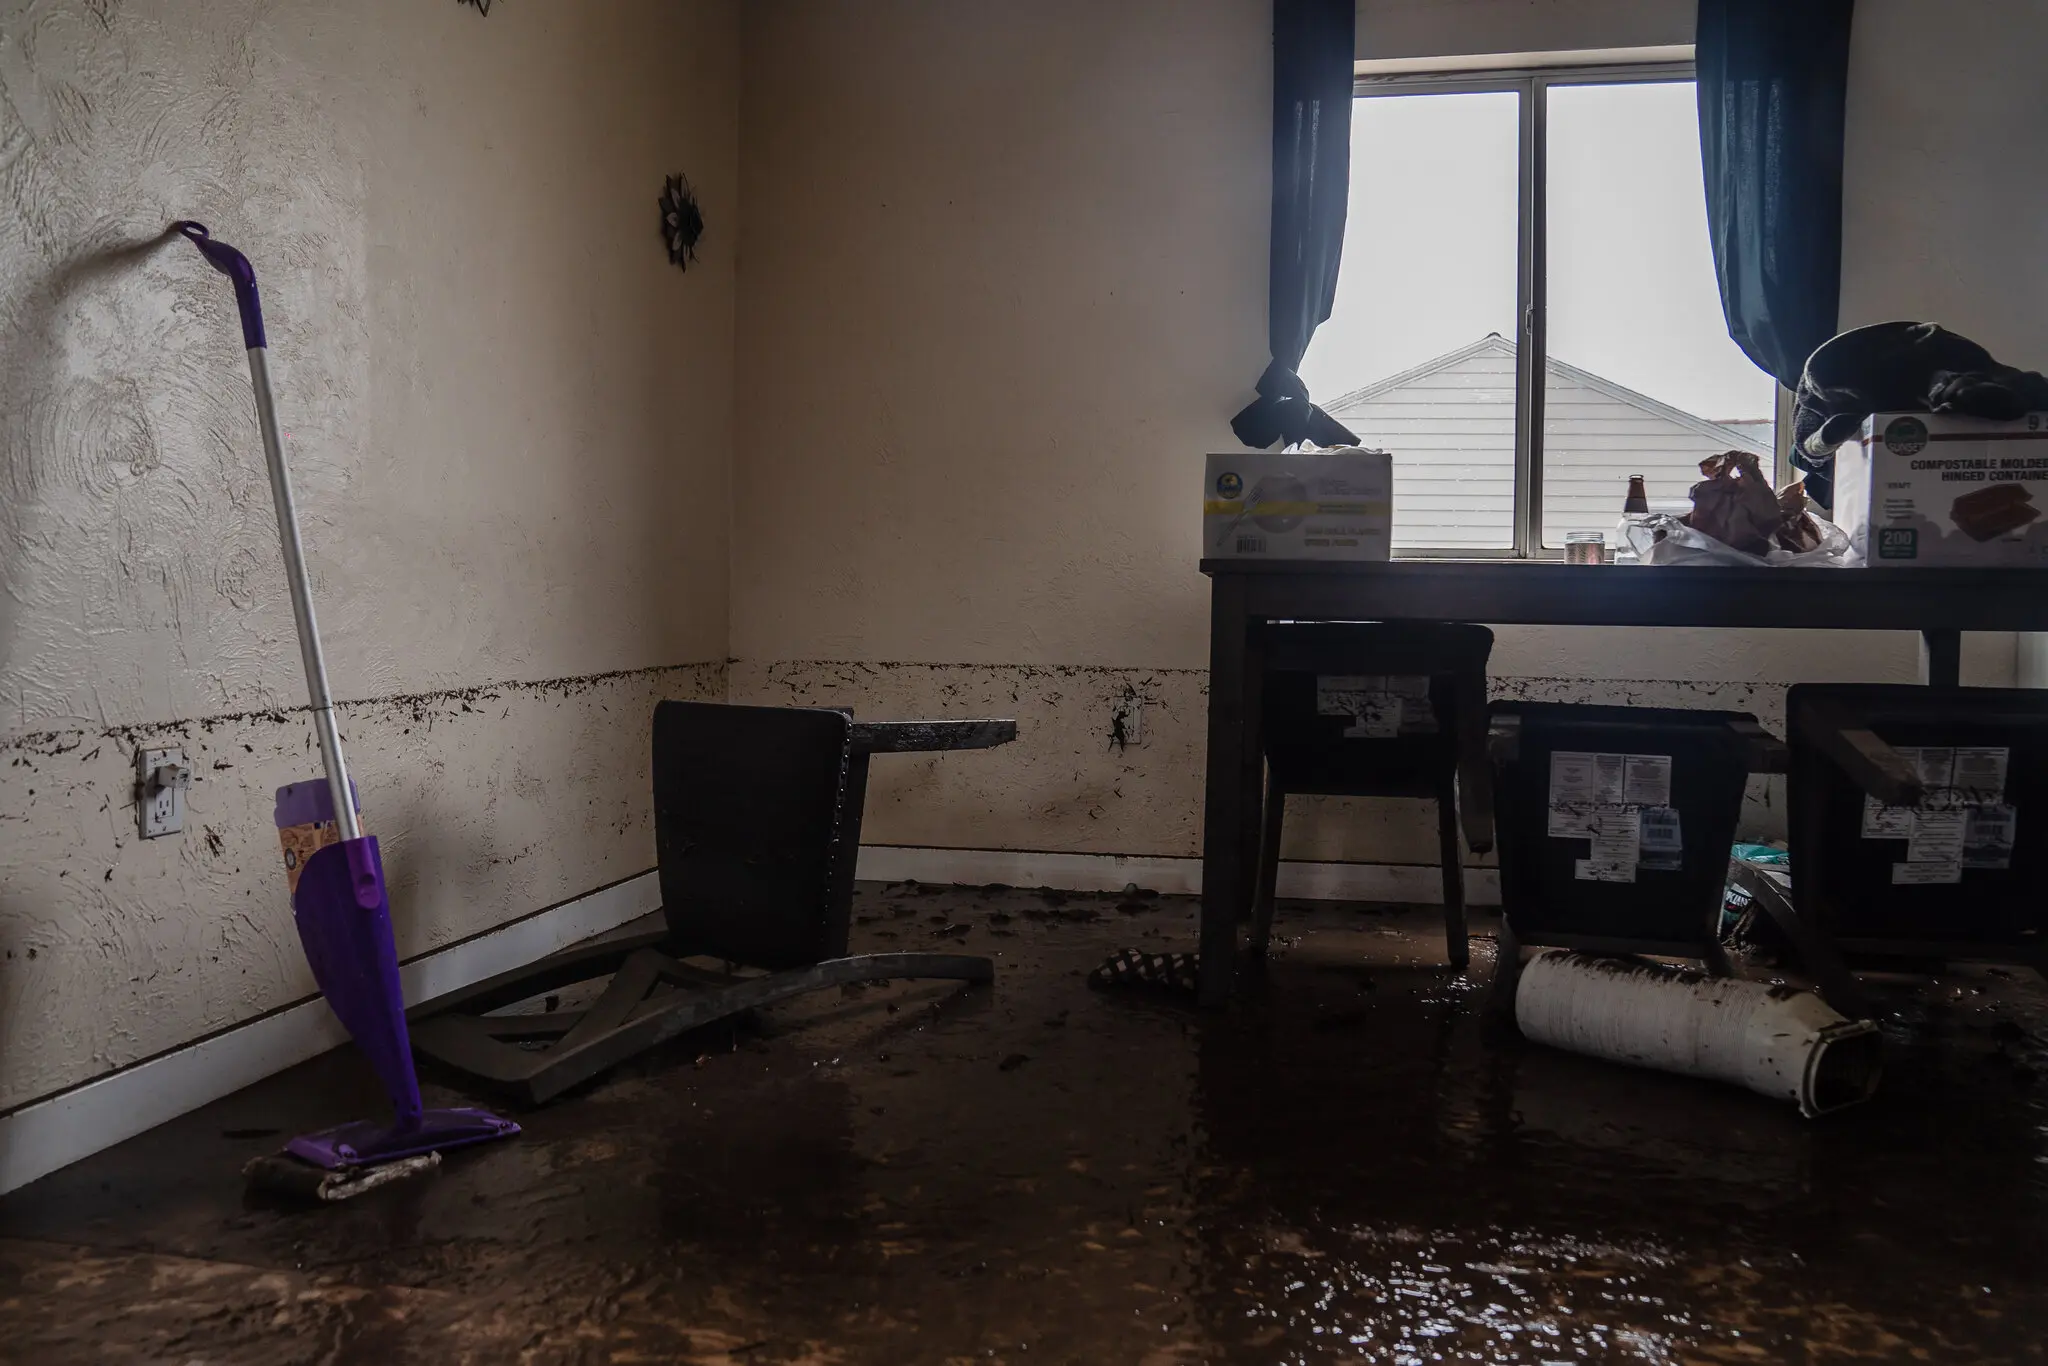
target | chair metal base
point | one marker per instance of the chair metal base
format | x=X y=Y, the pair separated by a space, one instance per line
x=757 y=817
x=633 y=1014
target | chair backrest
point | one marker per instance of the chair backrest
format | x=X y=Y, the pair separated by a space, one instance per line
x=749 y=811
x=1967 y=863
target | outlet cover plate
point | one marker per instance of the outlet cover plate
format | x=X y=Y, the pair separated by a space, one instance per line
x=1127 y=721
x=160 y=782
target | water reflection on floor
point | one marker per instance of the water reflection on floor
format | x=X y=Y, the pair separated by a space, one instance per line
x=1357 y=1163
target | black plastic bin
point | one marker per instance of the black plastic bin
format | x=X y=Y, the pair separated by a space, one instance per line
x=1850 y=873
x=1670 y=900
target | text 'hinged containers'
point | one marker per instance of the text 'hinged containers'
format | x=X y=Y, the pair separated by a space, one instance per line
x=1967 y=865
x=1936 y=489
x=1615 y=822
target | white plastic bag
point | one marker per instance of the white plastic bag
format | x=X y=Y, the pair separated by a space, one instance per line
x=1661 y=538
x=1311 y=448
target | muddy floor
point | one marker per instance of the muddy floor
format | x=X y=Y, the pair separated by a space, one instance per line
x=1355 y=1164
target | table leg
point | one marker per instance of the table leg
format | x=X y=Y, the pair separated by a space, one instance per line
x=1265 y=886
x=1941 y=658
x=1507 y=972
x=846 y=857
x=1251 y=768
x=1225 y=811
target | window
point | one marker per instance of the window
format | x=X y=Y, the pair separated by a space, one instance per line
x=1527 y=313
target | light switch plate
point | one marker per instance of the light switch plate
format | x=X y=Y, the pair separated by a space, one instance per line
x=160 y=782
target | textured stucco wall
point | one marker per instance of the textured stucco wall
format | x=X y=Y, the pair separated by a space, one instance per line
x=1005 y=280
x=488 y=802
x=510 y=425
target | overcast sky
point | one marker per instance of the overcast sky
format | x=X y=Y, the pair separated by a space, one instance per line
x=1429 y=254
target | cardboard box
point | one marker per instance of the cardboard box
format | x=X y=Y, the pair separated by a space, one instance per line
x=1332 y=505
x=1926 y=489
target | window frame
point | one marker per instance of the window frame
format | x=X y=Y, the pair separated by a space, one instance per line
x=1532 y=85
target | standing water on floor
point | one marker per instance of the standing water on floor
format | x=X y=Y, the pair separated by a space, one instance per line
x=1356 y=1163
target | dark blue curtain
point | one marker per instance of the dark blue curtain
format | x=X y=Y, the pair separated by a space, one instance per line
x=1312 y=56
x=1772 y=79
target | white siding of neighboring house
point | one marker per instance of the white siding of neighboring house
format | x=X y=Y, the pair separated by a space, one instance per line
x=1451 y=427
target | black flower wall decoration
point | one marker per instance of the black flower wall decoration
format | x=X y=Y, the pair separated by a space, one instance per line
x=483 y=7
x=682 y=222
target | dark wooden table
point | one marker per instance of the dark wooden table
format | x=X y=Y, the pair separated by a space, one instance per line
x=1939 y=603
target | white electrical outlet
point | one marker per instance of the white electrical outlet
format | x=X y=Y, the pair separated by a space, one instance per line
x=1127 y=721
x=160 y=782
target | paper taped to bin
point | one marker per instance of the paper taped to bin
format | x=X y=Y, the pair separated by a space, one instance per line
x=1937 y=837
x=1988 y=836
x=1621 y=803
x=1881 y=822
x=1646 y=779
x=1617 y=838
x=1926 y=874
x=1962 y=820
x=1979 y=773
x=1381 y=706
x=1661 y=846
x=1581 y=784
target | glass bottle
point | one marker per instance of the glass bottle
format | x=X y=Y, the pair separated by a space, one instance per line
x=1638 y=499
x=1635 y=509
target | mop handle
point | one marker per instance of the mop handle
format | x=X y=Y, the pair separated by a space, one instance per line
x=236 y=267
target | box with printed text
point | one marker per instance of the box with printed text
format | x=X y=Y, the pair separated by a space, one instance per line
x=1315 y=505
x=1928 y=489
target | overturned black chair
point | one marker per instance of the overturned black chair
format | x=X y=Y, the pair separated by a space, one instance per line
x=1377 y=709
x=757 y=815
x=1917 y=816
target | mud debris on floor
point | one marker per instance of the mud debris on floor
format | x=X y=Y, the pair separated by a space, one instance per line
x=1356 y=1163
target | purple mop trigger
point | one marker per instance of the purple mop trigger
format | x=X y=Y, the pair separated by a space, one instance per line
x=366 y=875
x=236 y=267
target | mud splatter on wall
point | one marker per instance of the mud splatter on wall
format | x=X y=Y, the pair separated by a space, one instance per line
x=509 y=424
x=489 y=802
x=1066 y=785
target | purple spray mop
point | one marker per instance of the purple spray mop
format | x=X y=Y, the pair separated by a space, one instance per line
x=339 y=902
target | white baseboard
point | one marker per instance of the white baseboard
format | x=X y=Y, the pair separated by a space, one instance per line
x=45 y=1135
x=1419 y=884
x=54 y=1132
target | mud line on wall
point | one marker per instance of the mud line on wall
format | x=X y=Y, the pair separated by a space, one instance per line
x=420 y=706
x=488 y=801
x=496 y=798
x=1068 y=785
